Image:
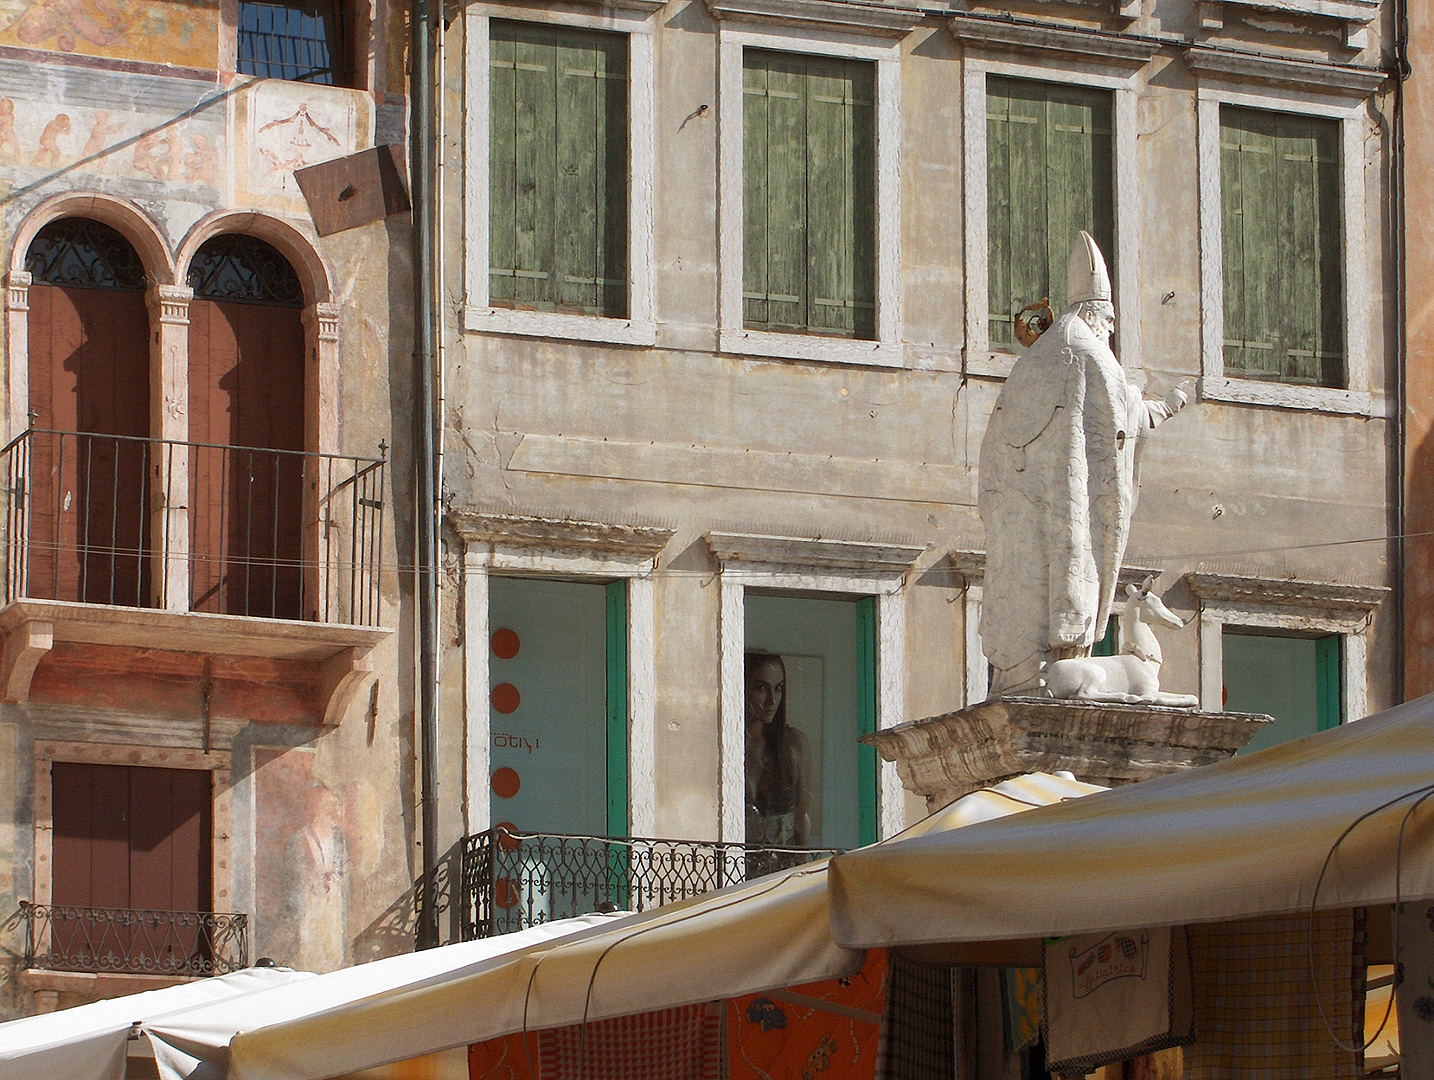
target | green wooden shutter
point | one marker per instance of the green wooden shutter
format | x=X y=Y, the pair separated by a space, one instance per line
x=809 y=194
x=1050 y=172
x=866 y=764
x=1282 y=253
x=617 y=716
x=558 y=169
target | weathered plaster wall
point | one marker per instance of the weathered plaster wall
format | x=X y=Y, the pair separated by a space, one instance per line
x=1419 y=351
x=681 y=435
x=323 y=818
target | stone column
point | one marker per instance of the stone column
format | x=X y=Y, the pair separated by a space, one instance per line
x=321 y=425
x=17 y=351
x=169 y=454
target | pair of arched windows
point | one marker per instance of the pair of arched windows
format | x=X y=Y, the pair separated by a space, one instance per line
x=97 y=470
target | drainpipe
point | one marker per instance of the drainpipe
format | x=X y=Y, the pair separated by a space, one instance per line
x=425 y=501
x=1401 y=71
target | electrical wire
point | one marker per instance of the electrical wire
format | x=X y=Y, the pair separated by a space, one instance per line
x=1426 y=792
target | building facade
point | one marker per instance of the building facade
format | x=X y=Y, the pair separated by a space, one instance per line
x=730 y=289
x=206 y=754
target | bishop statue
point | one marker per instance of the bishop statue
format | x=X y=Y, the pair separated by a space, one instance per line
x=1058 y=484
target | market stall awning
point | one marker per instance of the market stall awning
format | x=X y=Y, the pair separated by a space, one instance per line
x=89 y=1042
x=195 y=1043
x=765 y=934
x=1242 y=838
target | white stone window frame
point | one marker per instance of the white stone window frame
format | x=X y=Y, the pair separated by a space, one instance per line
x=638 y=20
x=845 y=569
x=1355 y=397
x=485 y=554
x=1289 y=607
x=734 y=36
x=1117 y=72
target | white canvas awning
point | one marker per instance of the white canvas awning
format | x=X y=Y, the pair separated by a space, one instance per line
x=89 y=1042
x=1242 y=838
x=761 y=935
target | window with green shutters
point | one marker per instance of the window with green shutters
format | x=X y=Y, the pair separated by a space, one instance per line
x=1049 y=173
x=1283 y=275
x=809 y=194
x=558 y=170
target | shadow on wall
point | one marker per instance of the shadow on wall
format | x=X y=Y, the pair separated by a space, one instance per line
x=396 y=930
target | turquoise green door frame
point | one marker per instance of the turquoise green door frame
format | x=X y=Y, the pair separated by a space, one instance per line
x=618 y=721
x=866 y=765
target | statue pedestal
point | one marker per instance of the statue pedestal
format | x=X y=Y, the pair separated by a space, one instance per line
x=944 y=757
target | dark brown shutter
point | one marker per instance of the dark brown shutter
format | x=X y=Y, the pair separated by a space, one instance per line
x=246 y=389
x=89 y=372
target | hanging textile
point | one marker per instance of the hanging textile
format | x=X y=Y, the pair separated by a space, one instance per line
x=919 y=1024
x=670 y=1044
x=787 y=1036
x=1114 y=996
x=1021 y=1007
x=1414 y=990
x=1256 y=1014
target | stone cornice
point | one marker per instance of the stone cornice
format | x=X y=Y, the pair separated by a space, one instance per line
x=1310 y=597
x=1304 y=75
x=970 y=567
x=1034 y=40
x=787 y=552
x=850 y=16
x=523 y=532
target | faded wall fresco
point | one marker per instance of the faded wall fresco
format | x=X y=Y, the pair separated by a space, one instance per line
x=64 y=127
x=155 y=31
x=310 y=840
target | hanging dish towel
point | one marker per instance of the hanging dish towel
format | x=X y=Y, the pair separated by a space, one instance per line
x=1255 y=1007
x=1114 y=996
x=669 y=1044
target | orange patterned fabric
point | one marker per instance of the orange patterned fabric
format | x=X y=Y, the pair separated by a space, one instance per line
x=773 y=1039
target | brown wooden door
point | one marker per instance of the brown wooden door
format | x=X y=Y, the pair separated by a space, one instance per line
x=246 y=393
x=89 y=375
x=129 y=838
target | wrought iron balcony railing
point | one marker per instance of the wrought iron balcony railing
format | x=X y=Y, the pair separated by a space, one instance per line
x=234 y=530
x=129 y=942
x=511 y=881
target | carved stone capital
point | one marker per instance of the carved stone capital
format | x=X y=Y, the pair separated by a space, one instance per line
x=325 y=320
x=17 y=290
x=169 y=304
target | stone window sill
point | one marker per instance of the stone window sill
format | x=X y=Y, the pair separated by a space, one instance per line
x=1283 y=396
x=552 y=324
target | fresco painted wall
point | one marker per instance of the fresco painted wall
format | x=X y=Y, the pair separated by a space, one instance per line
x=154 y=31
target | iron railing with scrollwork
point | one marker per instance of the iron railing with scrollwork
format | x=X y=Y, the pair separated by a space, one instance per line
x=133 y=522
x=511 y=881
x=121 y=941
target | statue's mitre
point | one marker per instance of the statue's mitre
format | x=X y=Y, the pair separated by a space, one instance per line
x=1086 y=276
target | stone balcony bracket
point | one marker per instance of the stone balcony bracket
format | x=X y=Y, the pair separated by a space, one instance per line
x=342 y=654
x=945 y=757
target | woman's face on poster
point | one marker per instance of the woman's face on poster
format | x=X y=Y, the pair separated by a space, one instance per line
x=765 y=687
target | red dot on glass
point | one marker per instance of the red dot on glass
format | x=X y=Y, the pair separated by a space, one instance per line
x=507 y=834
x=505 y=644
x=505 y=893
x=506 y=782
x=505 y=698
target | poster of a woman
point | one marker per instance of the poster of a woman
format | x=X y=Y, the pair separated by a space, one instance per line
x=778 y=760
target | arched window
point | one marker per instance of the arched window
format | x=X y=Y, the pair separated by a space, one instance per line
x=89 y=408
x=246 y=409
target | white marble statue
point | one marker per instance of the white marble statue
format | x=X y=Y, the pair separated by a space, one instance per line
x=1058 y=484
x=1134 y=675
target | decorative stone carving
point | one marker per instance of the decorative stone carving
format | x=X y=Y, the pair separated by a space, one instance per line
x=945 y=757
x=1057 y=485
x=1134 y=675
